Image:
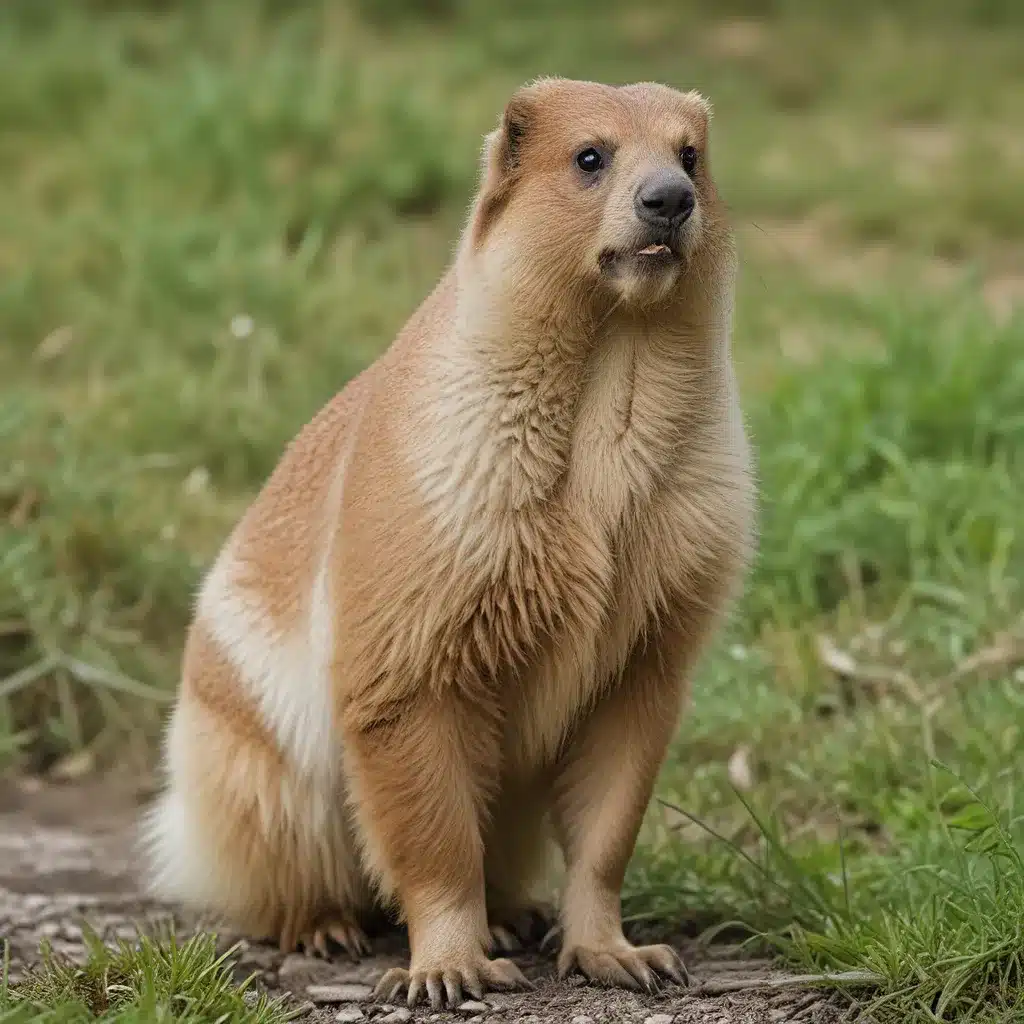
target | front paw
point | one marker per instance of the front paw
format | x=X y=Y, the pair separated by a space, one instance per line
x=621 y=964
x=447 y=980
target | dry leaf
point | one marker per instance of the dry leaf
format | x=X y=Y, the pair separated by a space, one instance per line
x=55 y=344
x=740 y=774
x=839 y=661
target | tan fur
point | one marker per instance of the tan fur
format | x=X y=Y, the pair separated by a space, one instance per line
x=461 y=614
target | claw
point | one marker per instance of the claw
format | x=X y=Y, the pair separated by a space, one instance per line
x=435 y=992
x=391 y=984
x=550 y=938
x=444 y=987
x=635 y=967
x=525 y=924
x=416 y=987
x=346 y=934
x=504 y=939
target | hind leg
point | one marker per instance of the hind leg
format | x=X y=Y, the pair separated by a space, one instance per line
x=237 y=834
x=518 y=865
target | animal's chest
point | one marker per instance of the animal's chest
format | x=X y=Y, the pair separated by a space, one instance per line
x=623 y=580
x=627 y=500
x=627 y=478
x=628 y=426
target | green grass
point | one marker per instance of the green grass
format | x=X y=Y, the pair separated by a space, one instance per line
x=212 y=215
x=870 y=687
x=151 y=982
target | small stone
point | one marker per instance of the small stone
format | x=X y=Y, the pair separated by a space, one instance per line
x=349 y=1013
x=69 y=949
x=399 y=1016
x=660 y=1018
x=478 y=1019
x=293 y=963
x=472 y=1006
x=322 y=994
x=583 y=1019
x=503 y=1000
x=778 y=1014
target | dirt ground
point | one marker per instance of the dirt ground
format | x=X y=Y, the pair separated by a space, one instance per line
x=66 y=856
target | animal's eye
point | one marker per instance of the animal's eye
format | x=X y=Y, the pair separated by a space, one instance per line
x=590 y=161
x=688 y=158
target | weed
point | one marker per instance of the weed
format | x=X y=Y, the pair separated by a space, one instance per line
x=153 y=980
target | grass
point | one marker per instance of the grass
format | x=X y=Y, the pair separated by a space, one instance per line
x=212 y=215
x=153 y=982
x=851 y=760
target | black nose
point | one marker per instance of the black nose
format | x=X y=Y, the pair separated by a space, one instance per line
x=665 y=199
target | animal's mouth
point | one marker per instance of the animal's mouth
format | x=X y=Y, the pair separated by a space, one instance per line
x=657 y=249
x=654 y=254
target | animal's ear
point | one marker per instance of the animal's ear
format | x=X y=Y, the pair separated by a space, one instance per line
x=502 y=153
x=700 y=102
x=503 y=147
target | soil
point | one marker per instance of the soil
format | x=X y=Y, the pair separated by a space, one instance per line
x=66 y=857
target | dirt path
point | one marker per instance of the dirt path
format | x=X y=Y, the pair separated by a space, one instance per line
x=66 y=856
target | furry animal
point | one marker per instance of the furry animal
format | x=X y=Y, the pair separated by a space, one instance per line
x=456 y=625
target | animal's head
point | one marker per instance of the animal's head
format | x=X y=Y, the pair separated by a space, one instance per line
x=598 y=190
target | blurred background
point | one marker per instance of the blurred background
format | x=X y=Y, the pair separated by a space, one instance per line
x=213 y=214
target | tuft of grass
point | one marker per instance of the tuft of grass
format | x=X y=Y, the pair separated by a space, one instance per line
x=939 y=924
x=893 y=468
x=932 y=931
x=155 y=980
